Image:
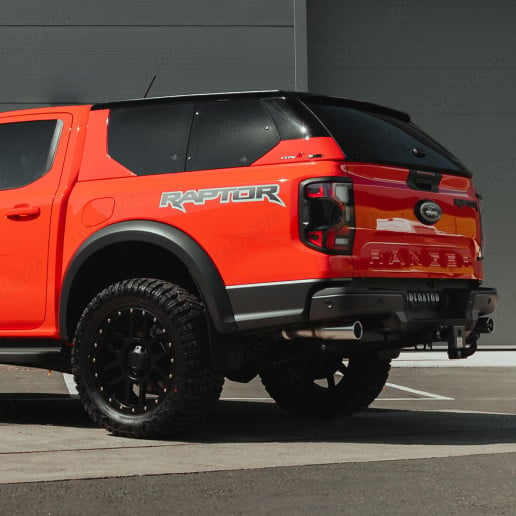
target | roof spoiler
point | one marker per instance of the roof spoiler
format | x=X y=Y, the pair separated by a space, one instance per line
x=356 y=104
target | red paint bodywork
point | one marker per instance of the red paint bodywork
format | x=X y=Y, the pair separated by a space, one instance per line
x=249 y=243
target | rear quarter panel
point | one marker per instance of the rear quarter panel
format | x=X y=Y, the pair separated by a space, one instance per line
x=249 y=242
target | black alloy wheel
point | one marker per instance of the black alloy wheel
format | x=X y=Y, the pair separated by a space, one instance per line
x=321 y=383
x=132 y=360
x=141 y=359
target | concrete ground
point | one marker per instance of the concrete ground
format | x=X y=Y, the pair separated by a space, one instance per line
x=437 y=439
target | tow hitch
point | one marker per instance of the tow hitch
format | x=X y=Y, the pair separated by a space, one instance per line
x=458 y=345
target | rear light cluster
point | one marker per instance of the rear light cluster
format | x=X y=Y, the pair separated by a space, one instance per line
x=481 y=229
x=327 y=215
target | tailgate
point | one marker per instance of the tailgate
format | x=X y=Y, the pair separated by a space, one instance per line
x=415 y=223
x=416 y=211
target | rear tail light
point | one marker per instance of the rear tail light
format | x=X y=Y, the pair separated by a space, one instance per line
x=327 y=215
x=482 y=236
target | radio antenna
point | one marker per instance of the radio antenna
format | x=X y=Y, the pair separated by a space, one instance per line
x=150 y=86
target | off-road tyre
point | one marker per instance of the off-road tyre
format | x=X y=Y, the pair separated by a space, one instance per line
x=321 y=384
x=141 y=360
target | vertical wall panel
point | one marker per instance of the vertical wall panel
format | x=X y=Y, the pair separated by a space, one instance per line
x=68 y=51
x=452 y=65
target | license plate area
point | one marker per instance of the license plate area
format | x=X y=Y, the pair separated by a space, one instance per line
x=423 y=301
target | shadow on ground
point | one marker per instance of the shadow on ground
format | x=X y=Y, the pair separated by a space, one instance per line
x=244 y=421
x=43 y=409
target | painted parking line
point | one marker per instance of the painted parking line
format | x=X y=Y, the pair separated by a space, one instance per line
x=72 y=390
x=246 y=399
x=440 y=359
x=425 y=395
x=70 y=384
x=414 y=359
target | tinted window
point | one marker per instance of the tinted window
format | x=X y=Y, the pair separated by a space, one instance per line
x=230 y=133
x=292 y=120
x=27 y=151
x=150 y=139
x=379 y=138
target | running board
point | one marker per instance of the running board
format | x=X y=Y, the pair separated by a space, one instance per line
x=46 y=355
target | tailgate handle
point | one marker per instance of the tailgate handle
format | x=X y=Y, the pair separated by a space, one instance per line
x=425 y=181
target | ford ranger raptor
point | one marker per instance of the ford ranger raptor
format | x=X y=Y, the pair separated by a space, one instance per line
x=154 y=247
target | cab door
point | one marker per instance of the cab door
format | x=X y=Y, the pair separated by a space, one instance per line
x=32 y=151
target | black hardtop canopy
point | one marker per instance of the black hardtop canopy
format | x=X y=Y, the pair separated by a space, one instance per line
x=355 y=104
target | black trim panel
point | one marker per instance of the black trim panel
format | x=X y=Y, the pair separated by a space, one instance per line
x=205 y=275
x=41 y=353
x=280 y=304
x=423 y=180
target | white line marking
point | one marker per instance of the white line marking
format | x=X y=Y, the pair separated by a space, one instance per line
x=455 y=411
x=246 y=399
x=428 y=395
x=482 y=358
x=70 y=384
x=407 y=399
x=72 y=390
x=421 y=393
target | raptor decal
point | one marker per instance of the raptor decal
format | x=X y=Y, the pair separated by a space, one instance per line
x=253 y=193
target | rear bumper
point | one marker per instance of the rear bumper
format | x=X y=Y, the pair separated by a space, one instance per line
x=382 y=304
x=392 y=311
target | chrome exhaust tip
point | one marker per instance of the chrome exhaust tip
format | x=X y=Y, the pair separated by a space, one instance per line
x=485 y=325
x=354 y=331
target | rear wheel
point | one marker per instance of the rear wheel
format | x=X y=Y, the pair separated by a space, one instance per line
x=322 y=383
x=141 y=359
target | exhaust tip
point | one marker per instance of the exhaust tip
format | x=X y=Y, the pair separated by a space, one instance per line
x=354 y=331
x=358 y=330
x=485 y=325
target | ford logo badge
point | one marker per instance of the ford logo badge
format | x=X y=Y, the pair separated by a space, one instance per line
x=428 y=212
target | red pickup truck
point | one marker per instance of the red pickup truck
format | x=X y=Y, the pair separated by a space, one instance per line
x=155 y=246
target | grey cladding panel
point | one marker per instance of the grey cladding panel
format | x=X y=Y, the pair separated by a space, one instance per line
x=101 y=64
x=454 y=47
x=148 y=12
x=424 y=92
x=396 y=12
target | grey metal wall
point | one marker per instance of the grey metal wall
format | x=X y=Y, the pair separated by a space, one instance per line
x=60 y=51
x=452 y=65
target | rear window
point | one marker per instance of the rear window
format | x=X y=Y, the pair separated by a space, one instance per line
x=371 y=137
x=230 y=133
x=292 y=120
x=150 y=139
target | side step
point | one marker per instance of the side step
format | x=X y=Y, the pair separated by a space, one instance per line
x=48 y=354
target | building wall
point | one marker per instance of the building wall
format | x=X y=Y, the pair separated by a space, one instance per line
x=68 y=51
x=451 y=64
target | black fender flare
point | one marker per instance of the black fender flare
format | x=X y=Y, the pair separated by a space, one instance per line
x=202 y=269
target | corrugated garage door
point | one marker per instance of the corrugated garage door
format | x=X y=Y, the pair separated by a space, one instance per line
x=452 y=65
x=62 y=51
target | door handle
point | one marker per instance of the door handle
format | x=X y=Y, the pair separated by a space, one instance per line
x=23 y=211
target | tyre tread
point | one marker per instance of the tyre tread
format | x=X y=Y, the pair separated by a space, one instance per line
x=362 y=384
x=200 y=385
